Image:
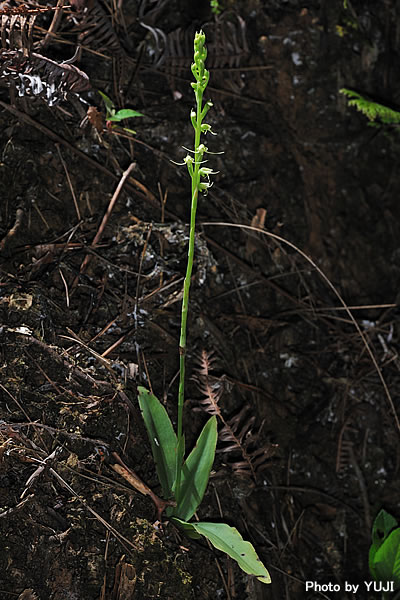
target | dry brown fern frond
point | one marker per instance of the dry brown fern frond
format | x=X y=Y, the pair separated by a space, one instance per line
x=95 y=28
x=226 y=42
x=17 y=23
x=36 y=75
x=246 y=458
x=28 y=73
x=96 y=32
x=16 y=28
x=344 y=447
x=29 y=7
x=209 y=386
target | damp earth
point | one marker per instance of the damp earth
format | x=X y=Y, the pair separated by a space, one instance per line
x=296 y=319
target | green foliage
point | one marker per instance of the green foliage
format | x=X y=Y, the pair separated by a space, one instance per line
x=162 y=438
x=228 y=539
x=384 y=553
x=196 y=471
x=195 y=474
x=124 y=113
x=387 y=559
x=215 y=7
x=114 y=116
x=186 y=480
x=372 y=110
x=163 y=441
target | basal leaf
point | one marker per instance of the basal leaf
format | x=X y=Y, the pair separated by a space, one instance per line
x=229 y=540
x=196 y=471
x=187 y=528
x=386 y=562
x=162 y=439
x=382 y=526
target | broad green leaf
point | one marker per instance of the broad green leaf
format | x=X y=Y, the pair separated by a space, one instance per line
x=382 y=526
x=228 y=539
x=386 y=563
x=125 y=113
x=195 y=472
x=187 y=528
x=162 y=439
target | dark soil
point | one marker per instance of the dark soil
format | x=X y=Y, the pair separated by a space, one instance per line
x=82 y=325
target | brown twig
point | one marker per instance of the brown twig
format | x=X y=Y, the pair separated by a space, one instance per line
x=78 y=214
x=52 y=30
x=328 y=282
x=103 y=223
x=113 y=200
x=84 y=503
x=133 y=184
x=19 y=215
x=119 y=341
x=103 y=361
x=141 y=487
x=21 y=409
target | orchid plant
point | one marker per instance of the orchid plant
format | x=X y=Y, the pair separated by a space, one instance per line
x=184 y=480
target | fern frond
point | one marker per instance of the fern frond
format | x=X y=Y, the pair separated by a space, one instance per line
x=96 y=29
x=211 y=390
x=227 y=49
x=372 y=110
x=16 y=29
x=36 y=75
x=236 y=436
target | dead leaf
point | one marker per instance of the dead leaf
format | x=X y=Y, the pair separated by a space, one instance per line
x=95 y=118
x=133 y=480
x=20 y=301
x=124 y=580
x=257 y=221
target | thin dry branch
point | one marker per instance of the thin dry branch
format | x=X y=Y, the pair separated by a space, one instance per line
x=328 y=282
x=104 y=222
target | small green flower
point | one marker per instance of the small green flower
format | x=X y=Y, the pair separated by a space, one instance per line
x=188 y=160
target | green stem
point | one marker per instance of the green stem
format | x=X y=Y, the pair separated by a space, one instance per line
x=198 y=156
x=197 y=172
